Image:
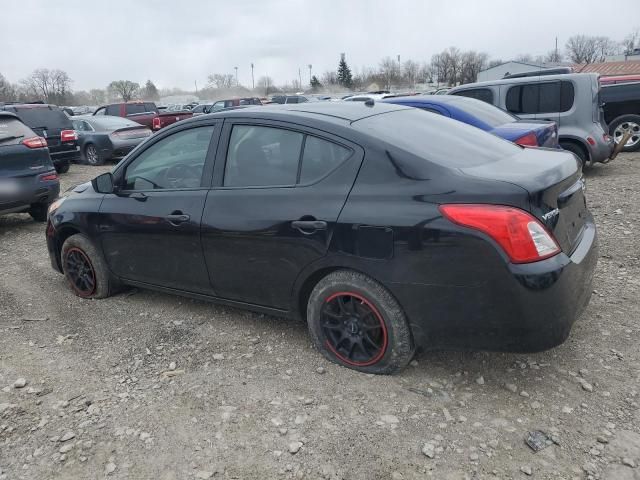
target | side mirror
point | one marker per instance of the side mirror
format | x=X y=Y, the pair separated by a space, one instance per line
x=103 y=183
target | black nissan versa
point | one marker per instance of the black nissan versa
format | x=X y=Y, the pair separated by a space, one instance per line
x=386 y=229
x=28 y=181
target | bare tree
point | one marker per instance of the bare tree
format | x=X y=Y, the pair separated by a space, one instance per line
x=390 y=71
x=553 y=56
x=329 y=77
x=631 y=41
x=51 y=86
x=471 y=63
x=221 y=80
x=606 y=47
x=410 y=70
x=124 y=89
x=266 y=83
x=7 y=91
x=588 y=49
x=97 y=95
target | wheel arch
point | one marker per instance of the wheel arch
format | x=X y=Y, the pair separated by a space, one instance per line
x=577 y=142
x=62 y=234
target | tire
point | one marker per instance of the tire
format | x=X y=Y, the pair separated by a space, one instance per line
x=577 y=151
x=619 y=126
x=92 y=155
x=38 y=211
x=384 y=330
x=78 y=249
x=62 y=167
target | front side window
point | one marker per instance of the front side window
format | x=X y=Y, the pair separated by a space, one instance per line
x=113 y=110
x=217 y=106
x=174 y=162
x=484 y=94
x=262 y=156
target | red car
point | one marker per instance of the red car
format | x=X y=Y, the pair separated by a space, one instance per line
x=145 y=113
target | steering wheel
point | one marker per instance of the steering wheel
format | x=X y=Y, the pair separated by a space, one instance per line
x=180 y=175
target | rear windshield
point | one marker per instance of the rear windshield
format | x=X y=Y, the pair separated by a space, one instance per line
x=438 y=139
x=44 y=117
x=492 y=116
x=13 y=131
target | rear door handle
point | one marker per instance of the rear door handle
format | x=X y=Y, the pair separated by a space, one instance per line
x=309 y=226
x=177 y=218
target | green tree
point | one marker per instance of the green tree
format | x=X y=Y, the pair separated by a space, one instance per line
x=150 y=92
x=344 y=73
x=124 y=89
x=315 y=84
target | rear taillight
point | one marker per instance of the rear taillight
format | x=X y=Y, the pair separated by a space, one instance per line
x=591 y=141
x=34 y=142
x=49 y=177
x=528 y=140
x=68 y=136
x=156 y=123
x=523 y=238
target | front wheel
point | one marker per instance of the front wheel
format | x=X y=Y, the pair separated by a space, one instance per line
x=85 y=269
x=623 y=125
x=356 y=322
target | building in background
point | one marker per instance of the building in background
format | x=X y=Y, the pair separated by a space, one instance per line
x=507 y=68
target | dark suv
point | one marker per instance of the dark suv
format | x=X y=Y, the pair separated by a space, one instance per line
x=51 y=123
x=28 y=181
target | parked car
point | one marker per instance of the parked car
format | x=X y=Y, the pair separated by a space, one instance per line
x=385 y=228
x=613 y=79
x=363 y=97
x=571 y=100
x=440 y=91
x=286 y=99
x=28 y=179
x=201 y=109
x=51 y=123
x=529 y=133
x=105 y=137
x=144 y=113
x=621 y=105
x=233 y=102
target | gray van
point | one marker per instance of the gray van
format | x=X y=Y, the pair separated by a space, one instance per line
x=572 y=100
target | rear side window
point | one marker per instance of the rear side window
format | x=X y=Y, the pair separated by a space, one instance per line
x=484 y=94
x=320 y=157
x=44 y=118
x=262 y=156
x=133 y=108
x=13 y=131
x=545 y=97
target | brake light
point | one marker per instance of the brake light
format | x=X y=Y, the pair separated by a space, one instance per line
x=49 y=177
x=68 y=136
x=528 y=140
x=34 y=142
x=156 y=123
x=522 y=237
x=591 y=141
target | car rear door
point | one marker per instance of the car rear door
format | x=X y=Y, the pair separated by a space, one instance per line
x=278 y=190
x=150 y=228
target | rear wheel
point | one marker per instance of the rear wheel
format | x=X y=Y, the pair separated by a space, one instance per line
x=626 y=123
x=93 y=155
x=577 y=151
x=85 y=269
x=38 y=211
x=62 y=167
x=355 y=322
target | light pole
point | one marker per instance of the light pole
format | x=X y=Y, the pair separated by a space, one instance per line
x=310 y=66
x=253 y=83
x=300 y=79
x=236 y=76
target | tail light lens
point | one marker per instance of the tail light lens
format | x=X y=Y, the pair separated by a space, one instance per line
x=49 y=177
x=156 y=123
x=591 y=141
x=528 y=140
x=68 y=136
x=523 y=238
x=34 y=142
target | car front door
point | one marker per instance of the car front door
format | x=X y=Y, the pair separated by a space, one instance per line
x=150 y=228
x=276 y=198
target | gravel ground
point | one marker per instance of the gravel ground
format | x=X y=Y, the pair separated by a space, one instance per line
x=151 y=386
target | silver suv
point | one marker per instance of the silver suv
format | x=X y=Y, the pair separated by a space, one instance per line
x=572 y=100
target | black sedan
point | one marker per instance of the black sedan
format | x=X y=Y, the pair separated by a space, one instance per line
x=385 y=229
x=105 y=137
x=28 y=179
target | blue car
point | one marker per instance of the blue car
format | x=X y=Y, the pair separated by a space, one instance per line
x=529 y=133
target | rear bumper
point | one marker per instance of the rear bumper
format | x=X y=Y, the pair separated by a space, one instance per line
x=44 y=192
x=523 y=308
x=602 y=150
x=65 y=156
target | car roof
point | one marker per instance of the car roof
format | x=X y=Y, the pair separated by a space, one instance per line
x=437 y=99
x=328 y=111
x=508 y=81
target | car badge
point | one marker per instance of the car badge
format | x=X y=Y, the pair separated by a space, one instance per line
x=551 y=214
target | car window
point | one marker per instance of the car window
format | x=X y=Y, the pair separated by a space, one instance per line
x=567 y=96
x=489 y=114
x=262 y=156
x=218 y=106
x=176 y=161
x=320 y=157
x=113 y=110
x=292 y=100
x=523 y=98
x=13 y=131
x=101 y=111
x=150 y=107
x=133 y=108
x=81 y=126
x=484 y=94
x=198 y=109
x=545 y=97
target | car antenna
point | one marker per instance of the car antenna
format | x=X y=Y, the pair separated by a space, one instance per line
x=369 y=103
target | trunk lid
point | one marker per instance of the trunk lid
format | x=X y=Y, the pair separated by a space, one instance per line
x=555 y=186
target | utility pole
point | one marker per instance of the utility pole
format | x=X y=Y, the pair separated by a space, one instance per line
x=310 y=66
x=253 y=83
x=556 y=56
x=236 y=76
x=196 y=84
x=300 y=78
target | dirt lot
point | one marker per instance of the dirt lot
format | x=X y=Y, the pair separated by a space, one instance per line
x=151 y=386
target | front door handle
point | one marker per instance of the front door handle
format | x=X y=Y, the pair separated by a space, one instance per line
x=176 y=218
x=309 y=226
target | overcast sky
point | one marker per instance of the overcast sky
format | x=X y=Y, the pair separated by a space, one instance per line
x=177 y=42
